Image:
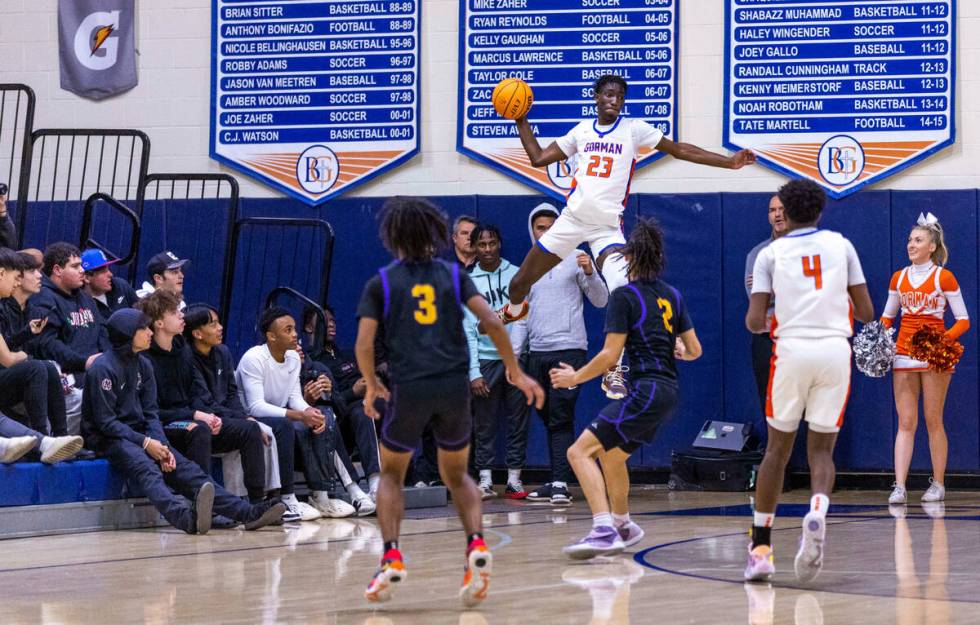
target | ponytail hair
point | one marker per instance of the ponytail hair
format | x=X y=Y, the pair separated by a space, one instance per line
x=935 y=230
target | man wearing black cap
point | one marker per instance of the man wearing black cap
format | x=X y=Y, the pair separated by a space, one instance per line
x=109 y=292
x=165 y=271
x=120 y=415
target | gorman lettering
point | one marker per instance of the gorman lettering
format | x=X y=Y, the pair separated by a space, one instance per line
x=603 y=146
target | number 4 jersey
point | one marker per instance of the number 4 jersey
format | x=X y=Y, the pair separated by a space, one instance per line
x=651 y=314
x=808 y=272
x=420 y=307
x=606 y=159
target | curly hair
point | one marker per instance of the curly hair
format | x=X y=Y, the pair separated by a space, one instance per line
x=606 y=79
x=644 y=251
x=58 y=254
x=803 y=200
x=413 y=228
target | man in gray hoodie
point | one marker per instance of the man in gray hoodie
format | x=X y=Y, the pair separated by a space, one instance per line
x=554 y=333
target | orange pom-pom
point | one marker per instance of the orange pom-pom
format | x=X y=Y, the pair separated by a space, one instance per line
x=930 y=344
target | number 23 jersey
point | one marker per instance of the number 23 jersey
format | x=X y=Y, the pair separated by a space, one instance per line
x=606 y=159
x=808 y=272
x=651 y=314
x=420 y=306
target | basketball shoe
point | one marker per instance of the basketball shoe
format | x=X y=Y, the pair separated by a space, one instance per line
x=601 y=541
x=476 y=577
x=507 y=313
x=809 y=559
x=630 y=533
x=760 y=567
x=614 y=382
x=391 y=572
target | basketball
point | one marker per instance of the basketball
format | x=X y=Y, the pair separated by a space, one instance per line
x=512 y=98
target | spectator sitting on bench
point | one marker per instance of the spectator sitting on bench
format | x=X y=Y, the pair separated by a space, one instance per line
x=183 y=401
x=75 y=332
x=120 y=416
x=165 y=271
x=268 y=379
x=109 y=292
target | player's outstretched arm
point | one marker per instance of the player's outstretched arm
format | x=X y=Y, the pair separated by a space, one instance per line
x=367 y=330
x=501 y=340
x=566 y=376
x=539 y=157
x=755 y=319
x=694 y=154
x=864 y=310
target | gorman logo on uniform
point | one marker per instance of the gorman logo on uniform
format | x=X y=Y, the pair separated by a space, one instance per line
x=916 y=300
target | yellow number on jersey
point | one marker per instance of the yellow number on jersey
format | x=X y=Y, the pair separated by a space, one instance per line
x=667 y=312
x=426 y=314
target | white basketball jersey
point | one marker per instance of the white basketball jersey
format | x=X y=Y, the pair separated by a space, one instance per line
x=808 y=272
x=606 y=159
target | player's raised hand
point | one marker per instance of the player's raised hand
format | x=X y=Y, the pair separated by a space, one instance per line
x=742 y=158
x=372 y=393
x=563 y=376
x=529 y=386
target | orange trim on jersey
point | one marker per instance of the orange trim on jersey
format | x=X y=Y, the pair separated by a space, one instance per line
x=571 y=190
x=629 y=182
x=847 y=396
x=772 y=372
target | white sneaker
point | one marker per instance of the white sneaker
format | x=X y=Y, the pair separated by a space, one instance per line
x=809 y=559
x=486 y=490
x=58 y=448
x=936 y=492
x=331 y=508
x=614 y=383
x=13 y=449
x=364 y=505
x=305 y=511
x=899 y=495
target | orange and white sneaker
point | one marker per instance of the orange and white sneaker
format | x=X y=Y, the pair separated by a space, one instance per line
x=476 y=579
x=510 y=313
x=391 y=572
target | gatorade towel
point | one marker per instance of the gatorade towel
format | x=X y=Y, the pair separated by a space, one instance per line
x=97 y=47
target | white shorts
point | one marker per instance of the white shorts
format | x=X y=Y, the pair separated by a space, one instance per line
x=568 y=232
x=811 y=377
x=906 y=363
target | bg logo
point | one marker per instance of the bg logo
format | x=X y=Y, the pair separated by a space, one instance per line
x=841 y=160
x=96 y=47
x=317 y=169
x=562 y=173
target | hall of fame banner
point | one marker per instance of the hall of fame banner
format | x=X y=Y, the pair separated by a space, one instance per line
x=844 y=92
x=560 y=48
x=314 y=97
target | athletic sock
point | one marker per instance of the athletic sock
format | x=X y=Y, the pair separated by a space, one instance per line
x=290 y=499
x=621 y=519
x=322 y=495
x=471 y=537
x=354 y=490
x=560 y=484
x=820 y=503
x=486 y=475
x=513 y=476
x=373 y=480
x=762 y=528
x=603 y=519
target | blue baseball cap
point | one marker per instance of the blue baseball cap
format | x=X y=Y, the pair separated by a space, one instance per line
x=95 y=259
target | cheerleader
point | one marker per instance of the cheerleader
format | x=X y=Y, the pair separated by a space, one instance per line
x=922 y=291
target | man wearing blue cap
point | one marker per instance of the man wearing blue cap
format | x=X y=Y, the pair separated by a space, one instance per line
x=109 y=292
x=120 y=417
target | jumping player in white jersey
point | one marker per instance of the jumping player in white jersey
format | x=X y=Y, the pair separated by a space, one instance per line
x=819 y=287
x=607 y=149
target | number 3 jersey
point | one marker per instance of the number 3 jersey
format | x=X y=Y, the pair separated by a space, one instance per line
x=420 y=307
x=808 y=272
x=651 y=314
x=605 y=161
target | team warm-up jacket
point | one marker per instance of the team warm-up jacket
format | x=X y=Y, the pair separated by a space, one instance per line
x=75 y=327
x=180 y=388
x=120 y=400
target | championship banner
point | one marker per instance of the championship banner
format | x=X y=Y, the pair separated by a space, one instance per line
x=560 y=48
x=97 y=47
x=844 y=92
x=314 y=98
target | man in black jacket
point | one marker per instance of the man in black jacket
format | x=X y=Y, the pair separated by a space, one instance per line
x=75 y=333
x=109 y=292
x=120 y=410
x=189 y=419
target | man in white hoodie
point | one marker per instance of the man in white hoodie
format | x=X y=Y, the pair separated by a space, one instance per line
x=554 y=333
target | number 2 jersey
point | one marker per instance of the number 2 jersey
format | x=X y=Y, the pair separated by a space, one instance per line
x=651 y=314
x=420 y=306
x=808 y=272
x=606 y=159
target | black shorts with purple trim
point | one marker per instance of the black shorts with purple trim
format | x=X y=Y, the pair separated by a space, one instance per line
x=633 y=421
x=443 y=401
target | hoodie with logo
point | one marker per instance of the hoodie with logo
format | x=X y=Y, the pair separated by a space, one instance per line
x=75 y=328
x=494 y=286
x=555 y=319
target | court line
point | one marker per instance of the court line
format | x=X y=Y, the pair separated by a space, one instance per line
x=640 y=558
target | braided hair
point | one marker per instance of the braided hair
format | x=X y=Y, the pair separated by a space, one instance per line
x=644 y=251
x=413 y=228
x=941 y=255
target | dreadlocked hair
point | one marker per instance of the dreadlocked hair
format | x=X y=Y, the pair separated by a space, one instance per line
x=644 y=251
x=413 y=228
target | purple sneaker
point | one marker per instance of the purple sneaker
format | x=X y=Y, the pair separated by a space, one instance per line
x=630 y=534
x=760 y=567
x=601 y=541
